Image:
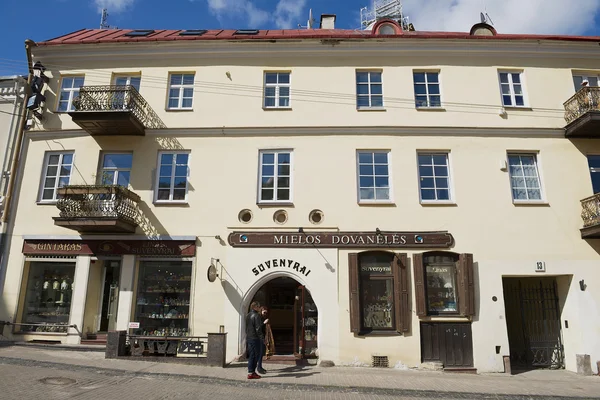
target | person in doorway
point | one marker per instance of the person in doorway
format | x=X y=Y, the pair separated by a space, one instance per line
x=267 y=343
x=254 y=338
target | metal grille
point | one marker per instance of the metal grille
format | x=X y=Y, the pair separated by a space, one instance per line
x=585 y=100
x=533 y=322
x=590 y=210
x=379 y=361
x=98 y=201
x=115 y=98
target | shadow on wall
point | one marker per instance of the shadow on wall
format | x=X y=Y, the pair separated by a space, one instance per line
x=477 y=290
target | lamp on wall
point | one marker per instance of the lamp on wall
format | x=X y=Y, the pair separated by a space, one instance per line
x=212 y=274
x=377 y=231
x=582 y=285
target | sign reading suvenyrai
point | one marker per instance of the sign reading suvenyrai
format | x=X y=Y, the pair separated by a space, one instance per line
x=342 y=239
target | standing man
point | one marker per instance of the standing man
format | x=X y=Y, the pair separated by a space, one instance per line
x=254 y=338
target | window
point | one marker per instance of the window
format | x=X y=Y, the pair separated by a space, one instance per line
x=511 y=87
x=434 y=176
x=373 y=176
x=193 y=32
x=578 y=79
x=57 y=173
x=378 y=292
x=524 y=177
x=277 y=89
x=129 y=80
x=369 y=89
x=275 y=180
x=69 y=90
x=181 y=91
x=594 y=164
x=140 y=32
x=444 y=284
x=48 y=297
x=121 y=98
x=427 y=89
x=115 y=169
x=173 y=172
x=440 y=279
x=246 y=32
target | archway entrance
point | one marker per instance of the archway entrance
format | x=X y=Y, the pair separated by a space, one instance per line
x=293 y=316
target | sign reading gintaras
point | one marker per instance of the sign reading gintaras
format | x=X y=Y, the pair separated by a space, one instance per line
x=342 y=239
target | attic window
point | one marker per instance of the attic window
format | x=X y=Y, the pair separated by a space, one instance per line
x=246 y=32
x=140 y=32
x=482 y=29
x=387 y=29
x=193 y=32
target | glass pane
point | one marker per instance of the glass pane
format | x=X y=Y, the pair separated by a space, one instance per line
x=65 y=171
x=284 y=102
x=593 y=80
x=382 y=182
x=179 y=194
x=381 y=170
x=67 y=159
x=48 y=194
x=182 y=158
x=528 y=160
x=122 y=161
x=434 y=89
x=270 y=91
x=368 y=157
x=420 y=89
x=180 y=182
x=49 y=182
x=268 y=158
x=382 y=194
x=362 y=101
x=421 y=101
x=367 y=194
x=441 y=183
x=186 y=103
x=267 y=194
x=64 y=96
x=284 y=77
x=51 y=171
x=366 y=181
x=577 y=82
x=518 y=89
x=441 y=171
x=362 y=77
x=268 y=170
x=283 y=182
x=532 y=183
x=375 y=76
x=271 y=78
x=166 y=158
x=517 y=182
x=173 y=103
x=284 y=91
x=593 y=161
x=63 y=106
x=163 y=194
x=376 y=101
x=283 y=170
x=176 y=79
x=164 y=182
x=283 y=158
x=432 y=77
x=365 y=170
x=506 y=100
x=427 y=194
x=441 y=288
x=419 y=77
x=188 y=79
x=121 y=81
x=436 y=101
x=519 y=101
x=427 y=183
x=377 y=302
x=443 y=194
x=362 y=89
x=529 y=170
x=135 y=82
x=516 y=78
x=505 y=89
x=376 y=89
x=440 y=159
x=267 y=182
x=174 y=93
x=188 y=92
x=519 y=194
x=123 y=178
x=425 y=159
x=504 y=77
x=283 y=194
x=380 y=158
x=63 y=181
x=535 y=194
x=425 y=171
x=77 y=82
x=53 y=159
x=181 y=170
x=270 y=102
x=166 y=171
x=107 y=177
x=67 y=83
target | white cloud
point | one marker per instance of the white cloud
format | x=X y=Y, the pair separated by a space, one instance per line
x=509 y=16
x=113 y=6
x=288 y=13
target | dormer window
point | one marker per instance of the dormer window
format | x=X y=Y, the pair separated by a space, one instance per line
x=387 y=29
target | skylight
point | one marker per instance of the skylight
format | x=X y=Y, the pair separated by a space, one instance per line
x=193 y=32
x=140 y=32
x=246 y=32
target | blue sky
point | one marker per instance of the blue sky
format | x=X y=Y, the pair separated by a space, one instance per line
x=40 y=20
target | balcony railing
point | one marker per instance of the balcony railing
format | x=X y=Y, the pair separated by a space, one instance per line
x=590 y=213
x=113 y=103
x=98 y=208
x=582 y=113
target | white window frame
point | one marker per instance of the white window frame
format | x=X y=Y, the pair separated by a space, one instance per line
x=275 y=176
x=128 y=79
x=446 y=153
x=44 y=174
x=390 y=200
x=512 y=89
x=172 y=183
x=584 y=76
x=181 y=88
x=427 y=94
x=277 y=87
x=536 y=156
x=117 y=171
x=73 y=92
x=368 y=84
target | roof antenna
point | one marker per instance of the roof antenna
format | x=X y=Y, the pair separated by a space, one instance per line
x=485 y=17
x=104 y=20
x=311 y=21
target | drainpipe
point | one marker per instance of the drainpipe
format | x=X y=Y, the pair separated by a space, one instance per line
x=9 y=151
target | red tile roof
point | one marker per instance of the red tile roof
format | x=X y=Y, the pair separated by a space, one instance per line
x=88 y=36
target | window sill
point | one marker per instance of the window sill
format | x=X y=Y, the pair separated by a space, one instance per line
x=430 y=109
x=531 y=203
x=171 y=203
x=277 y=108
x=377 y=203
x=445 y=318
x=370 y=109
x=513 y=108
x=439 y=203
x=275 y=204
x=46 y=203
x=379 y=333
x=178 y=109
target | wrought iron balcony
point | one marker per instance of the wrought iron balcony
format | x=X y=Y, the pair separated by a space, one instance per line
x=590 y=213
x=113 y=110
x=97 y=209
x=582 y=113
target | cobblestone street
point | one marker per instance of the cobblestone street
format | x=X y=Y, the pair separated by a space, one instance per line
x=36 y=373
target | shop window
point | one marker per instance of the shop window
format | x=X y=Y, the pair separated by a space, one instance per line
x=378 y=293
x=163 y=300
x=48 y=297
x=444 y=284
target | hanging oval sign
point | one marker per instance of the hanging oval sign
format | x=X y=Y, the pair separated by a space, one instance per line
x=211 y=274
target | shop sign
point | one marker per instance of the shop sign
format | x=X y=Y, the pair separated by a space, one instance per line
x=342 y=239
x=110 y=247
x=280 y=263
x=134 y=325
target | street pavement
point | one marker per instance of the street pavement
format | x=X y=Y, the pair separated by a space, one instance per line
x=38 y=373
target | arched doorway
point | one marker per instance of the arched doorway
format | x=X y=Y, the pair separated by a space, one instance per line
x=293 y=316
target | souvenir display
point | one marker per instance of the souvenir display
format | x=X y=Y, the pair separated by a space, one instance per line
x=163 y=301
x=48 y=297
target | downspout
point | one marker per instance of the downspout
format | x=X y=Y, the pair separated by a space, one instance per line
x=9 y=151
x=17 y=153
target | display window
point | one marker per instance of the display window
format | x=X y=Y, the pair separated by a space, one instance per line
x=48 y=297
x=440 y=274
x=163 y=298
x=377 y=291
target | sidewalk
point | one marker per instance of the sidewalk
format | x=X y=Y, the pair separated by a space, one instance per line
x=407 y=382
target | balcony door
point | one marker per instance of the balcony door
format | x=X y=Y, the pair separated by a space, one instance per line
x=121 y=97
x=594 y=165
x=577 y=79
x=115 y=169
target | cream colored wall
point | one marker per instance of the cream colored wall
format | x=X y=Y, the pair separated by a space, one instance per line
x=324 y=91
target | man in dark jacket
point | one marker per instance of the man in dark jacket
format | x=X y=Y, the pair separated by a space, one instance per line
x=254 y=338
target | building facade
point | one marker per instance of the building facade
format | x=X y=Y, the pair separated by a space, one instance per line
x=393 y=197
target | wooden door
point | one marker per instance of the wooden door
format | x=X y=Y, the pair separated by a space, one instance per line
x=449 y=343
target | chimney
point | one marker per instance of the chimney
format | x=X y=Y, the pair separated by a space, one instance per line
x=327 y=21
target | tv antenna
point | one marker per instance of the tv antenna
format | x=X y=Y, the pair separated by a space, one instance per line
x=104 y=20
x=311 y=21
x=391 y=9
x=485 y=18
